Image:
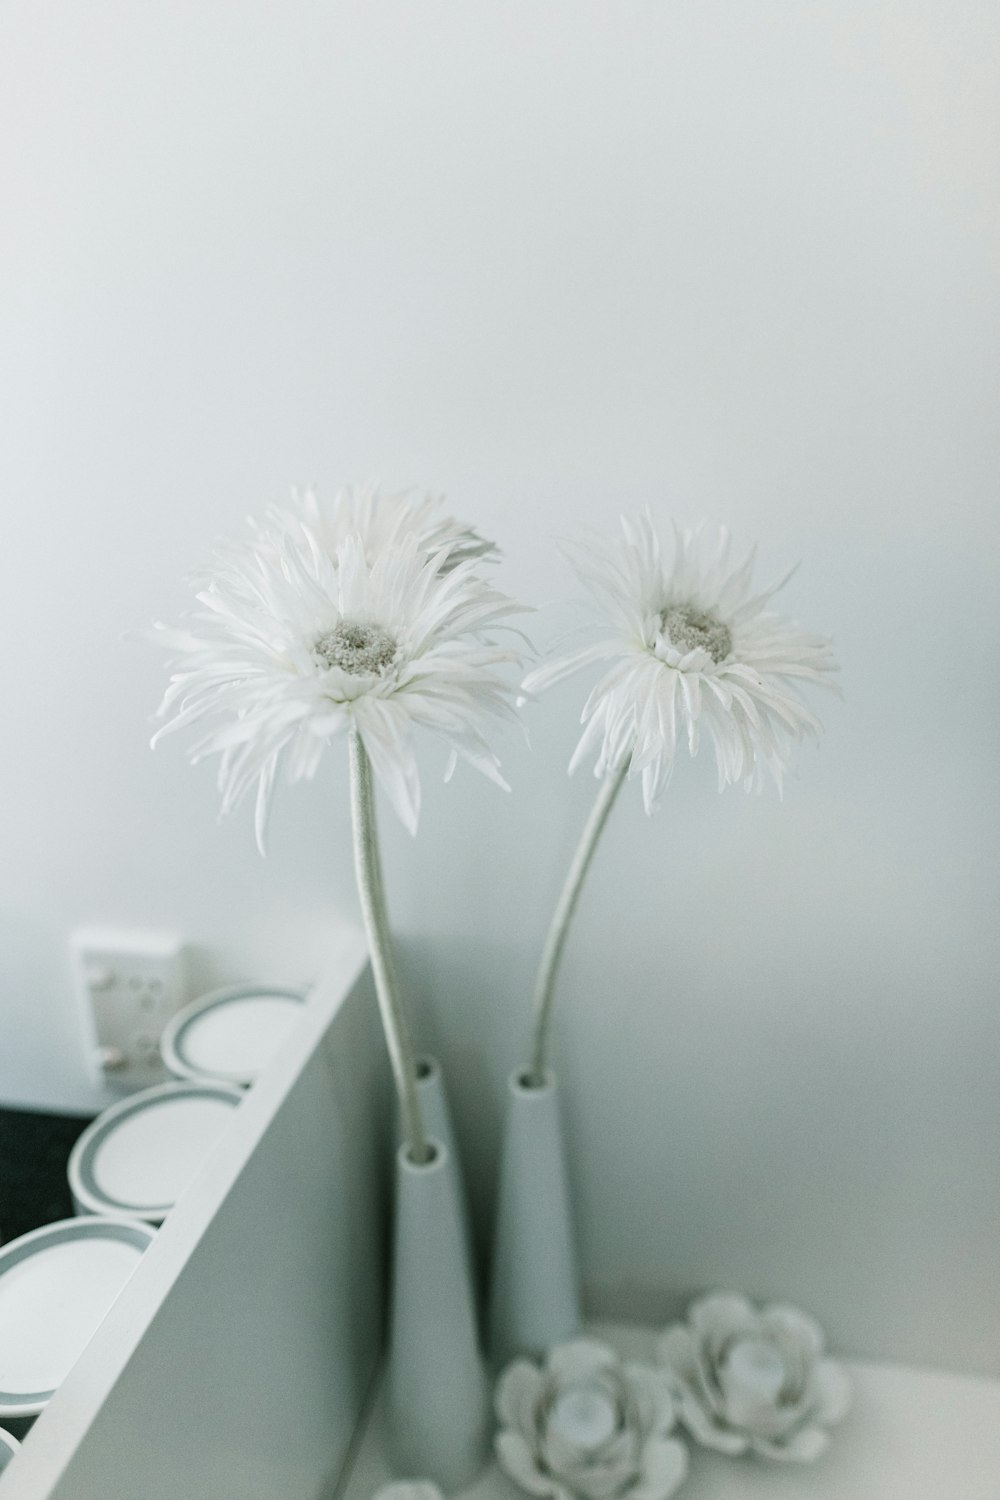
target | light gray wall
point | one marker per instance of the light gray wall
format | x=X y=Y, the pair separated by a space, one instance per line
x=558 y=260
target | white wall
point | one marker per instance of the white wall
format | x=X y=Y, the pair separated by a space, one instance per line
x=558 y=260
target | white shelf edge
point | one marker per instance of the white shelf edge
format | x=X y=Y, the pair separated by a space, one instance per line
x=64 y=1423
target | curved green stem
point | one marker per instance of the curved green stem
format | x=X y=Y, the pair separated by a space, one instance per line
x=368 y=871
x=559 y=930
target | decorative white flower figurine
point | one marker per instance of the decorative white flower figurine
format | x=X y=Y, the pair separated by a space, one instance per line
x=754 y=1381
x=689 y=647
x=588 y=1424
x=409 y=1489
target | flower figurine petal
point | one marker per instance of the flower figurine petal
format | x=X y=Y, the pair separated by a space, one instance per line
x=518 y=1392
x=588 y=1425
x=409 y=1489
x=754 y=1380
x=295 y=644
x=688 y=647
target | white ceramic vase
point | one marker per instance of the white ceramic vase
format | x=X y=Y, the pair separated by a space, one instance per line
x=534 y=1285
x=437 y=1391
x=436 y=1115
x=434 y=1108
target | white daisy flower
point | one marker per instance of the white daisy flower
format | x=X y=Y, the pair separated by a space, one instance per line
x=383 y=521
x=295 y=644
x=690 y=646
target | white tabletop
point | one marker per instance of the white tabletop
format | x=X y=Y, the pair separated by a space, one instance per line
x=911 y=1435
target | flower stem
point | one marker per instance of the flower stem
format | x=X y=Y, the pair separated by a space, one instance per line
x=368 y=872
x=559 y=930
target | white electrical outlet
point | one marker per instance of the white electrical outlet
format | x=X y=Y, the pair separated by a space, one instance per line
x=130 y=984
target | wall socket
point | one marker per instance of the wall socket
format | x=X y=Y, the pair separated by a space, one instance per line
x=130 y=984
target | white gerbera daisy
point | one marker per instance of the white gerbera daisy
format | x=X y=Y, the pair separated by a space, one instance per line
x=296 y=643
x=383 y=521
x=690 y=646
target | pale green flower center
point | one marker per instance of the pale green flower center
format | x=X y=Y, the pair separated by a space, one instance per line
x=688 y=627
x=356 y=648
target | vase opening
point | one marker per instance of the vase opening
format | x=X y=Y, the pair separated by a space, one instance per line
x=434 y=1154
x=531 y=1084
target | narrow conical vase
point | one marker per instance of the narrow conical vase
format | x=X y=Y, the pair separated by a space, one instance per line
x=534 y=1286
x=436 y=1115
x=434 y=1109
x=437 y=1393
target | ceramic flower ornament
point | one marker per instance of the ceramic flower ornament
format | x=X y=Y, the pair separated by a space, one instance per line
x=749 y=1380
x=587 y=1424
x=409 y=1489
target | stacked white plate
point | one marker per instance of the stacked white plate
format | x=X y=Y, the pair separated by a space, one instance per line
x=230 y=1035
x=56 y=1285
x=138 y=1156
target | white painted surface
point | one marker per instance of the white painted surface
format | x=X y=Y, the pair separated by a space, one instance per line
x=256 y=1310
x=736 y=260
x=911 y=1435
